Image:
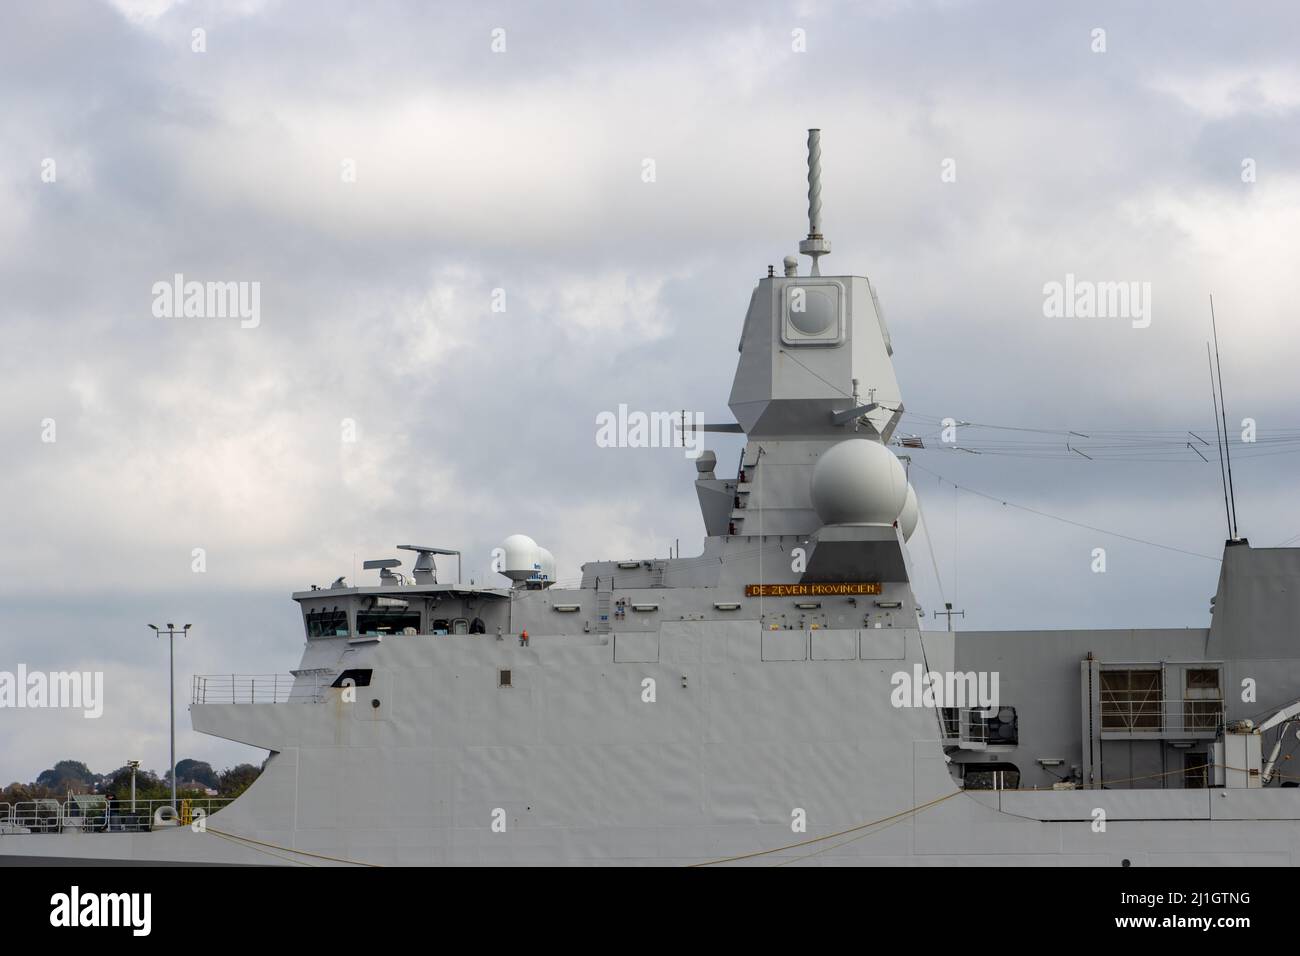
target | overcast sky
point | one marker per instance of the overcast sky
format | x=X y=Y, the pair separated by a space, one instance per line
x=522 y=170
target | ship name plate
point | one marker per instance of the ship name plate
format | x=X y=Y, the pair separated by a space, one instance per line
x=811 y=590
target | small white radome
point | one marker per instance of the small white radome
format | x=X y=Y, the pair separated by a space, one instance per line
x=859 y=482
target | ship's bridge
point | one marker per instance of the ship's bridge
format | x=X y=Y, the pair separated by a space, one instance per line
x=433 y=609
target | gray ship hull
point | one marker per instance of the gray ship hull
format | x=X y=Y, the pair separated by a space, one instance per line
x=575 y=767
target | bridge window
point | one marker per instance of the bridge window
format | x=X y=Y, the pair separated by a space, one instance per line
x=331 y=622
x=388 y=620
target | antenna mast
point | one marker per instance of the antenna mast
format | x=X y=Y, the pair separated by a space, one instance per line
x=816 y=245
x=1223 y=411
x=1218 y=442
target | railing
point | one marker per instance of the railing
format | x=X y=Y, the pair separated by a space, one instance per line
x=978 y=728
x=256 y=688
x=964 y=724
x=974 y=727
x=54 y=816
x=1159 y=717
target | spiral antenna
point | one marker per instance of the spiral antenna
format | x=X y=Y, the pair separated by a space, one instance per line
x=816 y=245
x=814 y=183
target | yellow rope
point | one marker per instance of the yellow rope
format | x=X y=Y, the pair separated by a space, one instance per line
x=747 y=856
x=825 y=849
x=289 y=849
x=911 y=811
x=235 y=840
x=831 y=836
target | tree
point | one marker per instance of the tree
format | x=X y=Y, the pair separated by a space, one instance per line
x=199 y=771
x=66 y=775
x=147 y=784
x=19 y=793
x=235 y=780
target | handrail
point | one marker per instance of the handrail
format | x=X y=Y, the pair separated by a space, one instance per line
x=1161 y=715
x=255 y=689
x=50 y=815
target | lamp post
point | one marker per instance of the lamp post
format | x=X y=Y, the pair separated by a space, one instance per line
x=134 y=765
x=171 y=633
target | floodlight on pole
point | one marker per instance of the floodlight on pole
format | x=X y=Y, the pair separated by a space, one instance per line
x=171 y=633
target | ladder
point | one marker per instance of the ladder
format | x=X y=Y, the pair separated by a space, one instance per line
x=603 y=594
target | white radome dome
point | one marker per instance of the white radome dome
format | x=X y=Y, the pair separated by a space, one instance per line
x=858 y=482
x=547 y=562
x=911 y=511
x=521 y=557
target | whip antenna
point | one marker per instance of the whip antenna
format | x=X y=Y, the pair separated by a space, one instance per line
x=1218 y=443
x=1223 y=412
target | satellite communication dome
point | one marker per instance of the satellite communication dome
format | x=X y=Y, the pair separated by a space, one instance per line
x=522 y=557
x=911 y=511
x=546 y=560
x=858 y=482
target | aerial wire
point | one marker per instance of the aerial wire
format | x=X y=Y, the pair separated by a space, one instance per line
x=1218 y=441
x=929 y=544
x=1077 y=524
x=1223 y=411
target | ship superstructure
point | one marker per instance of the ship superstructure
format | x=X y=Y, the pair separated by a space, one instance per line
x=771 y=699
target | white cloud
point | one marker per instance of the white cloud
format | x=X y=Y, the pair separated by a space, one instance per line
x=143 y=12
x=1219 y=93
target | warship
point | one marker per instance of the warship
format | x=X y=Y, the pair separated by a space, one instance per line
x=772 y=700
